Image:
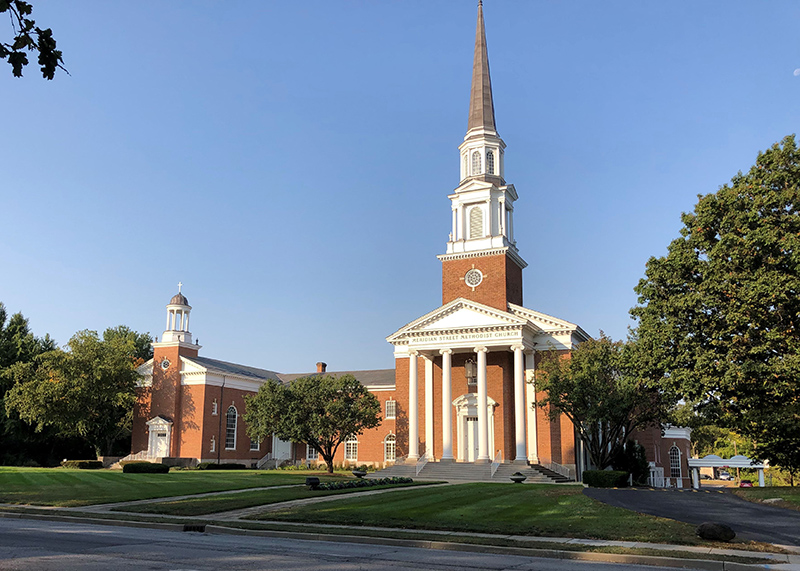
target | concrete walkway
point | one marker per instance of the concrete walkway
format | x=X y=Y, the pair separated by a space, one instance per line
x=749 y=520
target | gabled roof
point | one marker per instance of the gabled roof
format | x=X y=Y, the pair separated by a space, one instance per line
x=547 y=322
x=460 y=314
x=368 y=378
x=225 y=368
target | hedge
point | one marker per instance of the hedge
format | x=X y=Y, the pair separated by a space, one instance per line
x=605 y=479
x=83 y=464
x=215 y=466
x=363 y=483
x=145 y=468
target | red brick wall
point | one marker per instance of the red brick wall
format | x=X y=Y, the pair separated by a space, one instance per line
x=502 y=281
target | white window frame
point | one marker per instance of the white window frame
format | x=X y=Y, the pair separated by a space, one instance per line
x=477 y=161
x=473 y=225
x=351 y=446
x=311 y=454
x=214 y=408
x=390 y=441
x=490 y=162
x=675 y=467
x=255 y=445
x=228 y=428
x=213 y=447
x=391 y=412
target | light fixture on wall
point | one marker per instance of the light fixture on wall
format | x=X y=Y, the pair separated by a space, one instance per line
x=471 y=370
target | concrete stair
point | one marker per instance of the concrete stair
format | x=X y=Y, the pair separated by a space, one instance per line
x=471 y=472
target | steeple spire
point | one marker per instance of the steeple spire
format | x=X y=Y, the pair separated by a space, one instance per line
x=481 y=106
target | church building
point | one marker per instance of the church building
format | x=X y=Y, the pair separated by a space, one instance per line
x=462 y=389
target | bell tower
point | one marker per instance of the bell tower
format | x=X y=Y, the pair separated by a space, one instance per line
x=482 y=262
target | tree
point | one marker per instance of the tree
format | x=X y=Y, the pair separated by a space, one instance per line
x=87 y=390
x=598 y=389
x=140 y=344
x=719 y=315
x=28 y=37
x=319 y=411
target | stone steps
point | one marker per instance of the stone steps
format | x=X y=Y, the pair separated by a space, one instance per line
x=470 y=472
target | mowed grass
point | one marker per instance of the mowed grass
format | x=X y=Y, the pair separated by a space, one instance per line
x=70 y=488
x=788 y=494
x=240 y=500
x=545 y=510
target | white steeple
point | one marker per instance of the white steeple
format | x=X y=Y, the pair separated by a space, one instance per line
x=178 y=310
x=482 y=205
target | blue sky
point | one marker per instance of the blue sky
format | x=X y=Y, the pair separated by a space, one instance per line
x=290 y=162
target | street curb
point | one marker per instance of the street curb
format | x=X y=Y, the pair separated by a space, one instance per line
x=680 y=563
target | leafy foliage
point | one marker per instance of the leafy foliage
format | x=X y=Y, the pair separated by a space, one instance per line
x=633 y=460
x=365 y=483
x=28 y=37
x=87 y=390
x=319 y=410
x=82 y=464
x=599 y=390
x=145 y=468
x=719 y=315
x=605 y=478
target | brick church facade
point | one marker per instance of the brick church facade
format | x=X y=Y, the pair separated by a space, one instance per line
x=462 y=389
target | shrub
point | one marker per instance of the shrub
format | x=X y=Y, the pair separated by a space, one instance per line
x=632 y=458
x=83 y=464
x=215 y=466
x=365 y=483
x=144 y=468
x=605 y=478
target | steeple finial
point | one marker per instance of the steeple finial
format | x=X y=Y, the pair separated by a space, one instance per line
x=481 y=106
x=180 y=285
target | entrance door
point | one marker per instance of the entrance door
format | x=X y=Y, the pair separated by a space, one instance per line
x=161 y=450
x=472 y=438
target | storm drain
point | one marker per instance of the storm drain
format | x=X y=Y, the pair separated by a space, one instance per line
x=199 y=527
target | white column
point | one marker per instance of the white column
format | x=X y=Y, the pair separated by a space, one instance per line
x=187 y=321
x=169 y=312
x=455 y=225
x=483 y=405
x=530 y=407
x=511 y=226
x=447 y=405
x=519 y=403
x=429 y=407
x=413 y=409
x=503 y=218
x=761 y=483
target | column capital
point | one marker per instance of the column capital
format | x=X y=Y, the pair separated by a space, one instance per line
x=445 y=351
x=518 y=347
x=413 y=352
x=481 y=349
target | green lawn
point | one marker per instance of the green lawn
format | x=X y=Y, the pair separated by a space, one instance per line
x=69 y=488
x=240 y=500
x=788 y=494
x=557 y=511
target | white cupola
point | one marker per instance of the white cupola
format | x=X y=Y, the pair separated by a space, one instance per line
x=178 y=310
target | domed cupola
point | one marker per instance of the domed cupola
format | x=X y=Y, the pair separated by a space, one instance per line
x=178 y=310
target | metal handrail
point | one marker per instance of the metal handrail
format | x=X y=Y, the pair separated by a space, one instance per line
x=558 y=469
x=498 y=459
x=423 y=460
x=264 y=460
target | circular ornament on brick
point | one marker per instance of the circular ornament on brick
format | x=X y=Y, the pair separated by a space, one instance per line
x=165 y=364
x=473 y=278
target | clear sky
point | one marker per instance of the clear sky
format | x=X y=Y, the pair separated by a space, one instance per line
x=290 y=162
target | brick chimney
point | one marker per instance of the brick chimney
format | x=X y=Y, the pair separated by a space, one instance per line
x=321 y=367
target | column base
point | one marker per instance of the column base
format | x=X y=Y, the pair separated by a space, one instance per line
x=483 y=461
x=520 y=462
x=447 y=460
x=410 y=457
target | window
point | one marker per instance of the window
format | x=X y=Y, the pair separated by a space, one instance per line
x=214 y=410
x=311 y=453
x=390 y=448
x=213 y=447
x=351 y=449
x=230 y=428
x=476 y=222
x=489 y=162
x=254 y=444
x=674 y=462
x=391 y=409
x=476 y=162
x=465 y=168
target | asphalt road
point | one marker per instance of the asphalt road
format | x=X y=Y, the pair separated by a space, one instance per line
x=45 y=546
x=749 y=520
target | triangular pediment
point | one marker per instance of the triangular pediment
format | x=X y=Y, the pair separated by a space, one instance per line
x=460 y=314
x=547 y=323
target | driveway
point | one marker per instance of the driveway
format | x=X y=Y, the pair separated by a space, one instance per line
x=749 y=520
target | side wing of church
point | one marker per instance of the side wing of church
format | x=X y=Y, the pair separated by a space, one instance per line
x=462 y=390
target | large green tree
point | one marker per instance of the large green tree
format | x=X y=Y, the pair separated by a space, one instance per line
x=598 y=388
x=719 y=315
x=86 y=390
x=321 y=411
x=28 y=38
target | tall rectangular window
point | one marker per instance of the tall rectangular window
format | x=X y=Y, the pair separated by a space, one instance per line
x=351 y=449
x=230 y=428
x=254 y=445
x=311 y=453
x=391 y=409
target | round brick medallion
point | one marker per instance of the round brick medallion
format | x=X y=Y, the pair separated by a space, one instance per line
x=473 y=278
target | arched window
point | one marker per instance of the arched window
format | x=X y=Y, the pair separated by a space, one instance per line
x=465 y=166
x=390 y=448
x=213 y=447
x=351 y=449
x=476 y=162
x=490 y=162
x=675 y=462
x=230 y=428
x=476 y=222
